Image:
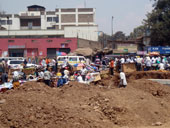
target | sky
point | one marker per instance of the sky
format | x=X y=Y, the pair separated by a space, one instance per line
x=127 y=14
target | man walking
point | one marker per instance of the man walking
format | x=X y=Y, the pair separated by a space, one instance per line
x=111 y=67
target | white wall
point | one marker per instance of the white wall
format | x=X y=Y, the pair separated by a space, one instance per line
x=15 y=23
x=88 y=33
x=31 y=32
x=30 y=13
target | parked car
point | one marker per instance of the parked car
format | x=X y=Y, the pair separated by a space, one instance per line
x=71 y=59
x=15 y=64
x=32 y=65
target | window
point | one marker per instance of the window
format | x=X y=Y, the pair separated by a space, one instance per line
x=9 y=22
x=52 y=19
x=3 y=22
x=63 y=45
x=49 y=40
x=49 y=19
x=72 y=58
x=34 y=41
x=81 y=59
x=68 y=41
x=55 y=19
x=53 y=27
x=16 y=62
x=10 y=41
x=61 y=58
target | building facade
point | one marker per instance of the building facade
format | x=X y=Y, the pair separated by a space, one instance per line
x=36 y=21
x=58 y=29
x=42 y=47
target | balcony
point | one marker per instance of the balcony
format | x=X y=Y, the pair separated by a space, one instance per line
x=31 y=28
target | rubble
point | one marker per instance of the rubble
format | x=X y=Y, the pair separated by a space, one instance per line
x=79 y=105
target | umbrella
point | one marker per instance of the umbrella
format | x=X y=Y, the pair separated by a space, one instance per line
x=61 y=54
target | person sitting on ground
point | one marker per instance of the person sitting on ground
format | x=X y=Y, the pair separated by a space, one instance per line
x=79 y=78
x=123 y=82
x=15 y=80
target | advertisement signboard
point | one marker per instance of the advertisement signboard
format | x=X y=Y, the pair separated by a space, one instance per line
x=161 y=50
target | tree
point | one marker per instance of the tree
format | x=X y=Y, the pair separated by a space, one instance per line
x=138 y=32
x=119 y=36
x=158 y=21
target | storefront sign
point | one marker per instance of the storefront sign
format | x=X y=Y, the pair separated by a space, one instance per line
x=161 y=50
x=141 y=52
x=127 y=47
x=16 y=46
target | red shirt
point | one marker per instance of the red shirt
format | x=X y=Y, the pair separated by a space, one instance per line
x=112 y=64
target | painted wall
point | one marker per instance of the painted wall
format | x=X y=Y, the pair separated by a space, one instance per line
x=86 y=32
x=36 y=46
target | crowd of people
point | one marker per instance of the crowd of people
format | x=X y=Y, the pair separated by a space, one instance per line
x=56 y=75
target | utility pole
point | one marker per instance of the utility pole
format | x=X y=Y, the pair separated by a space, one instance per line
x=112 y=25
x=84 y=3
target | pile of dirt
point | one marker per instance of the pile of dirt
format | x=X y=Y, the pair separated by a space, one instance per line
x=143 y=103
x=143 y=75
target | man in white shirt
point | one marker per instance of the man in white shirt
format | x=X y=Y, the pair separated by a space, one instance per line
x=122 y=60
x=139 y=63
x=128 y=60
x=161 y=66
x=148 y=63
x=15 y=76
x=83 y=73
x=123 y=82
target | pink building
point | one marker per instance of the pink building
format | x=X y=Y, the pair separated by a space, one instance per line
x=37 y=32
x=30 y=47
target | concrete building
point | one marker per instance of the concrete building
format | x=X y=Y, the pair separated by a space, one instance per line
x=58 y=26
x=69 y=22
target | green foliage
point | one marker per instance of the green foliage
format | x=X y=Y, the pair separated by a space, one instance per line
x=119 y=36
x=137 y=32
x=159 y=23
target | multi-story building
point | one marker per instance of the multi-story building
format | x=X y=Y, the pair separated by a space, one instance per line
x=40 y=32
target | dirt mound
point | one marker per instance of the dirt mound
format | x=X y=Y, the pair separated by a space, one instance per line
x=142 y=75
x=142 y=103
